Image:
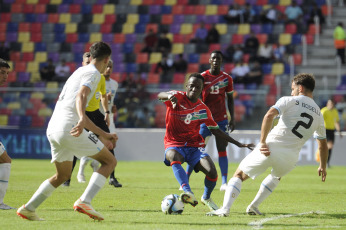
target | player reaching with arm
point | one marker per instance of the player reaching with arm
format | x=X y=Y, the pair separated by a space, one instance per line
x=68 y=138
x=5 y=160
x=300 y=118
x=217 y=85
x=185 y=113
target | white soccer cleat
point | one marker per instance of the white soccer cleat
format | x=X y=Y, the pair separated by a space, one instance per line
x=188 y=198
x=27 y=214
x=253 y=210
x=223 y=187
x=181 y=188
x=95 y=165
x=210 y=203
x=220 y=212
x=81 y=178
x=5 y=207
x=87 y=209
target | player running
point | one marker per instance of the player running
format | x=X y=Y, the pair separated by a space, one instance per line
x=218 y=84
x=185 y=113
x=300 y=118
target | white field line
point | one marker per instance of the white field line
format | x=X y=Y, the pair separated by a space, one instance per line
x=259 y=223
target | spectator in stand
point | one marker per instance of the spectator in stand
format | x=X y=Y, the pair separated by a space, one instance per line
x=240 y=73
x=265 y=53
x=316 y=11
x=255 y=75
x=62 y=72
x=271 y=15
x=229 y=52
x=249 y=14
x=213 y=35
x=238 y=54
x=142 y=94
x=129 y=82
x=48 y=71
x=235 y=14
x=339 y=41
x=294 y=14
x=164 y=45
x=166 y=67
x=180 y=65
x=251 y=46
x=4 y=51
x=150 y=41
x=201 y=34
x=143 y=118
x=279 y=52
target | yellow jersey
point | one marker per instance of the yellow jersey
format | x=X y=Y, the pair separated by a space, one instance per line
x=330 y=117
x=94 y=103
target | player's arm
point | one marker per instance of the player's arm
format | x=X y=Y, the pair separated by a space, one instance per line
x=323 y=151
x=221 y=134
x=337 y=127
x=165 y=96
x=267 y=124
x=230 y=104
x=104 y=103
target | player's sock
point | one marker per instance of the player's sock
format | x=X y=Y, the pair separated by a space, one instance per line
x=95 y=184
x=329 y=156
x=112 y=175
x=189 y=170
x=209 y=185
x=232 y=192
x=74 y=163
x=5 y=169
x=180 y=175
x=223 y=162
x=267 y=187
x=42 y=193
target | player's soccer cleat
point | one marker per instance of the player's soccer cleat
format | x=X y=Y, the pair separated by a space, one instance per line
x=253 y=210
x=181 y=188
x=210 y=203
x=81 y=178
x=115 y=183
x=223 y=187
x=95 y=165
x=188 y=198
x=66 y=183
x=5 y=207
x=220 y=212
x=27 y=214
x=87 y=209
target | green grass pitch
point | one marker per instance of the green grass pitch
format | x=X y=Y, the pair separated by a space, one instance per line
x=301 y=201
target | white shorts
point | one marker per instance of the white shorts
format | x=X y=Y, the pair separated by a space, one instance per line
x=282 y=161
x=2 y=148
x=64 y=146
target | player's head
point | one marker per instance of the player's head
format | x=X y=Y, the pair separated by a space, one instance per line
x=86 y=58
x=4 y=71
x=216 y=59
x=303 y=83
x=330 y=103
x=109 y=69
x=101 y=52
x=194 y=86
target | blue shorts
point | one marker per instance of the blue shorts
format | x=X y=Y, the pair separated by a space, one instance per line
x=205 y=132
x=192 y=155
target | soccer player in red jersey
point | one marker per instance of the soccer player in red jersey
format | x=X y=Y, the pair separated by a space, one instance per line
x=185 y=113
x=218 y=84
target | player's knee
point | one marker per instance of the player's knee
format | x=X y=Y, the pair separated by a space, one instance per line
x=113 y=163
x=212 y=174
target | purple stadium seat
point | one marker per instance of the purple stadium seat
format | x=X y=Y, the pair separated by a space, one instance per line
x=175 y=29
x=40 y=84
x=213 y=19
x=64 y=8
x=12 y=37
x=14 y=120
x=256 y=28
x=178 y=19
x=54 y=57
x=78 y=1
x=9 y=1
x=116 y=48
x=41 y=18
x=131 y=38
x=117 y=57
x=154 y=9
x=201 y=18
x=119 y=67
x=78 y=47
x=23 y=76
x=107 y=38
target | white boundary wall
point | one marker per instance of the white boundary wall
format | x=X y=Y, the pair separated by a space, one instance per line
x=147 y=145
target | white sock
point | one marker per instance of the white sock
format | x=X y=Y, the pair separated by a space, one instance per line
x=267 y=187
x=82 y=164
x=5 y=169
x=43 y=192
x=95 y=184
x=232 y=192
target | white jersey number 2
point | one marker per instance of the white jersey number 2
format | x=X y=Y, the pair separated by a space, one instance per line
x=302 y=123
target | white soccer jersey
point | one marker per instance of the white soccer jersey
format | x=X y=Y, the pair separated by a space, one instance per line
x=65 y=114
x=111 y=86
x=300 y=118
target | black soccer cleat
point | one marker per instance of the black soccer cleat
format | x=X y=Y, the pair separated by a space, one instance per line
x=67 y=183
x=115 y=183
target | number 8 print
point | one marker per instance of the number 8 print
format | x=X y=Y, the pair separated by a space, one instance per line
x=188 y=118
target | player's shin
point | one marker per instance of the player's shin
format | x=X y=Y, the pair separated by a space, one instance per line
x=180 y=175
x=223 y=163
x=267 y=187
x=232 y=192
x=5 y=169
x=209 y=185
x=43 y=192
x=189 y=170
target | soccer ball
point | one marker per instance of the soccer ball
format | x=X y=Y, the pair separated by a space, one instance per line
x=172 y=205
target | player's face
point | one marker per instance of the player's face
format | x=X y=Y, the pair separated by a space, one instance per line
x=109 y=69
x=4 y=75
x=215 y=60
x=86 y=61
x=295 y=89
x=194 y=88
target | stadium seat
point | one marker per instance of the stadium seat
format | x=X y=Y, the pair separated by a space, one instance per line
x=266 y=68
x=3 y=119
x=167 y=19
x=278 y=68
x=267 y=28
x=155 y=58
x=269 y=79
x=27 y=47
x=243 y=29
x=142 y=58
x=237 y=39
x=178 y=48
x=20 y=66
x=27 y=56
x=39 y=8
x=71 y=38
x=192 y=68
x=178 y=78
x=70 y=28
x=296 y=39
x=204 y=58
x=297 y=59
x=285 y=39
x=291 y=28
x=40 y=57
x=75 y=9
x=32 y=67
x=153 y=78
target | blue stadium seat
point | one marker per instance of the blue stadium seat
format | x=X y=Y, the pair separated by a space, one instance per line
x=266 y=68
x=296 y=39
x=193 y=58
x=59 y=28
x=30 y=17
x=84 y=37
x=267 y=28
x=131 y=67
x=61 y=37
x=144 y=18
x=40 y=46
x=140 y=28
x=78 y=57
x=86 y=9
x=127 y=48
x=166 y=9
x=12 y=27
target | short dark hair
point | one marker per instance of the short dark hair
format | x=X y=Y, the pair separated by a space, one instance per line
x=305 y=79
x=100 y=50
x=4 y=63
x=196 y=75
x=217 y=52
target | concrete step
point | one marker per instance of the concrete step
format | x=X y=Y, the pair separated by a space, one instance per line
x=321 y=50
x=318 y=61
x=339 y=11
x=321 y=70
